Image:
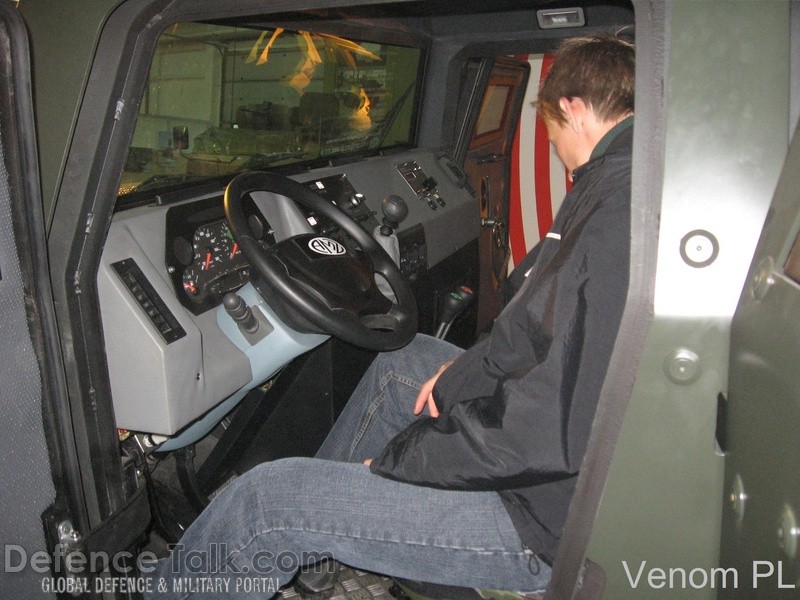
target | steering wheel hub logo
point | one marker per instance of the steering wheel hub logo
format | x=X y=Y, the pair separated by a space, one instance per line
x=326 y=246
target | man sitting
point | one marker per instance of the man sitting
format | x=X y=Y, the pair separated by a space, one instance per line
x=451 y=466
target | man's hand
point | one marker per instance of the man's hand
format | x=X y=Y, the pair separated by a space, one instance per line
x=425 y=396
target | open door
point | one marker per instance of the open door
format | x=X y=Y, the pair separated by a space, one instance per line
x=488 y=167
x=761 y=517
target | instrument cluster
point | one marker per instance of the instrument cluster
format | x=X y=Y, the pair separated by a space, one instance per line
x=216 y=264
x=203 y=258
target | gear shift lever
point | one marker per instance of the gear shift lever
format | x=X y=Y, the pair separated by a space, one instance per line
x=394 y=210
x=453 y=305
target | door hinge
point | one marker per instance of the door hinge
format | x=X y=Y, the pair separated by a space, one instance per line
x=69 y=562
x=78 y=558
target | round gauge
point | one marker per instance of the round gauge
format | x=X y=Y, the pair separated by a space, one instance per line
x=228 y=245
x=192 y=284
x=207 y=245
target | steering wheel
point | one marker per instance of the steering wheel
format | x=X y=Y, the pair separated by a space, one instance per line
x=317 y=284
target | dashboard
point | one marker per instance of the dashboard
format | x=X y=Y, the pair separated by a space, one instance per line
x=176 y=360
x=204 y=259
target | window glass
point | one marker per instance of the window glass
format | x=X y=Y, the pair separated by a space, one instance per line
x=493 y=109
x=223 y=99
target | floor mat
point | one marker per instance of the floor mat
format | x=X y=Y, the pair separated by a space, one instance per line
x=352 y=585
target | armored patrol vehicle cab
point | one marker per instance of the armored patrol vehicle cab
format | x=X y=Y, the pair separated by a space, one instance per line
x=217 y=213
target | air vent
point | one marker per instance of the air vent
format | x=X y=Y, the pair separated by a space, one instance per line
x=561 y=17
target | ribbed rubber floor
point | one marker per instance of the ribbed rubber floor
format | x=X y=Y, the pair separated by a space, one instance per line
x=352 y=585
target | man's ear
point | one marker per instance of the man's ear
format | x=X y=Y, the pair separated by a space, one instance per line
x=575 y=110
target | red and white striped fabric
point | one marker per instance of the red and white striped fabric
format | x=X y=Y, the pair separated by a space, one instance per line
x=538 y=179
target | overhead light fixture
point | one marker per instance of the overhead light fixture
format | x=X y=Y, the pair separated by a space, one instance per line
x=554 y=18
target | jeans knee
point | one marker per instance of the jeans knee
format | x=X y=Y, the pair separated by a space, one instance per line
x=273 y=478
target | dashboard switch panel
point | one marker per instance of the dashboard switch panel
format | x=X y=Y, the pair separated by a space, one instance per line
x=426 y=188
x=149 y=300
x=338 y=190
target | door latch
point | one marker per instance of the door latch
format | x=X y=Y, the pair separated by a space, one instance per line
x=488 y=158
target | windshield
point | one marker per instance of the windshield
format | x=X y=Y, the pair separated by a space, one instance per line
x=223 y=99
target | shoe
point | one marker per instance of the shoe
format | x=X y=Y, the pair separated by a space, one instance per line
x=319 y=577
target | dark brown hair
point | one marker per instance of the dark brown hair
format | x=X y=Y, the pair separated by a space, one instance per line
x=599 y=69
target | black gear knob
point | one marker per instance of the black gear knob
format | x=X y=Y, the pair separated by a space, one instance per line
x=394 y=210
x=237 y=308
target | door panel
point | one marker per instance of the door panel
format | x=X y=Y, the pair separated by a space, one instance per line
x=26 y=376
x=762 y=504
x=488 y=167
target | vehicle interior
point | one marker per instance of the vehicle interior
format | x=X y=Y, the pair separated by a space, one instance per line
x=276 y=192
x=194 y=195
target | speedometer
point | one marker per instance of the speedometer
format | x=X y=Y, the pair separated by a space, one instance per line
x=207 y=246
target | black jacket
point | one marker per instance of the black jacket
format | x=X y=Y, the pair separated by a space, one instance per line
x=517 y=408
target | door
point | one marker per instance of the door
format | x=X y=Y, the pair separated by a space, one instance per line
x=760 y=528
x=29 y=388
x=488 y=167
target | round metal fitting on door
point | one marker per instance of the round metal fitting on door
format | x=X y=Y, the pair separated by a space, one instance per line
x=738 y=498
x=682 y=366
x=699 y=248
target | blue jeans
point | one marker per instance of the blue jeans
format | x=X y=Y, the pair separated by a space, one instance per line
x=285 y=514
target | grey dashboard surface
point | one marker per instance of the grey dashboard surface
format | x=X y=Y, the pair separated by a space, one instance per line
x=162 y=383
